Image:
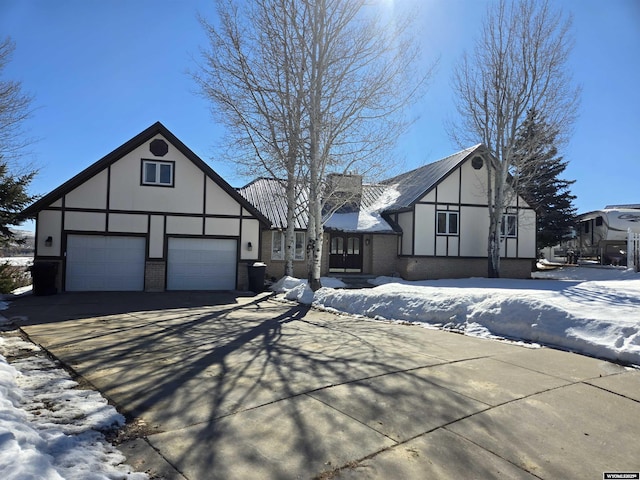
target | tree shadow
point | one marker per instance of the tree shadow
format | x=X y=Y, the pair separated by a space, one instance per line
x=200 y=367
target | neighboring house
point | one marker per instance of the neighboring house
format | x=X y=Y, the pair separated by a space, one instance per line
x=431 y=222
x=602 y=234
x=151 y=215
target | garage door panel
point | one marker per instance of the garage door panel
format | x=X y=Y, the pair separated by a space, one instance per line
x=105 y=263
x=201 y=264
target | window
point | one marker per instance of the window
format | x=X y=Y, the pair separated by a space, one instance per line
x=447 y=223
x=157 y=173
x=598 y=221
x=509 y=226
x=278 y=246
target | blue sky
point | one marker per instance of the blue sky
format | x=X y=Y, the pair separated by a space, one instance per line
x=102 y=71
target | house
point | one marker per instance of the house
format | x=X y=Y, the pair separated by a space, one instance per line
x=431 y=222
x=357 y=239
x=602 y=234
x=151 y=215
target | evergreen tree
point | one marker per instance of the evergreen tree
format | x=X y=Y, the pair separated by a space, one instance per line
x=15 y=108
x=538 y=180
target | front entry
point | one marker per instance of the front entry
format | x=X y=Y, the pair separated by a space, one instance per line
x=345 y=254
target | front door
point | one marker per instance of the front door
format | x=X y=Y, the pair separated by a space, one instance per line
x=345 y=254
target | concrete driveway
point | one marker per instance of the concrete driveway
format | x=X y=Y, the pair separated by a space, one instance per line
x=219 y=386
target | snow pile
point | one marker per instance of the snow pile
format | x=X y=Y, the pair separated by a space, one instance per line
x=49 y=429
x=593 y=311
x=298 y=290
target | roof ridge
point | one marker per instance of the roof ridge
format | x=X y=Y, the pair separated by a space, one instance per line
x=442 y=160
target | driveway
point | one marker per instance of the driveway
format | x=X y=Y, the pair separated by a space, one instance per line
x=225 y=386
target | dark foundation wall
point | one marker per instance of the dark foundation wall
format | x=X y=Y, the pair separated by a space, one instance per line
x=432 y=268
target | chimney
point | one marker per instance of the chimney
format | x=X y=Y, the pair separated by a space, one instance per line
x=345 y=192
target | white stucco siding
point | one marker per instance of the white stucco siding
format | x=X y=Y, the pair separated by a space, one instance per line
x=474 y=231
x=222 y=226
x=526 y=234
x=90 y=194
x=156 y=236
x=405 y=221
x=184 y=225
x=127 y=193
x=441 y=246
x=85 y=221
x=448 y=190
x=429 y=197
x=508 y=247
x=425 y=229
x=220 y=202
x=119 y=222
x=250 y=233
x=474 y=184
x=49 y=225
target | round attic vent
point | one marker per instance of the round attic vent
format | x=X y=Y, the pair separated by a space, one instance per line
x=159 y=147
x=477 y=162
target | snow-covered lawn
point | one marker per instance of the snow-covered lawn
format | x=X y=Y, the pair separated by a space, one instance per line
x=594 y=311
x=49 y=429
x=17 y=261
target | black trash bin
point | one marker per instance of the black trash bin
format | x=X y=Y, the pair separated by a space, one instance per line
x=44 y=278
x=257 y=272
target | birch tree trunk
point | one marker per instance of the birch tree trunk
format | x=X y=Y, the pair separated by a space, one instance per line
x=519 y=65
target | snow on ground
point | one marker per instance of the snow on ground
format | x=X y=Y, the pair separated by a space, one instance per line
x=594 y=311
x=50 y=430
x=17 y=261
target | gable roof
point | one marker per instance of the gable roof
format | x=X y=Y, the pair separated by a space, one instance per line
x=376 y=201
x=144 y=136
x=415 y=184
x=269 y=196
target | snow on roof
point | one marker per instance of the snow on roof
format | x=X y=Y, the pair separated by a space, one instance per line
x=268 y=196
x=368 y=219
x=416 y=183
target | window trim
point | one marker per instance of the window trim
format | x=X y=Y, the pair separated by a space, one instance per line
x=281 y=235
x=146 y=161
x=448 y=214
x=504 y=225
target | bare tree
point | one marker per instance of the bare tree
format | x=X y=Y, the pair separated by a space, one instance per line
x=307 y=88
x=519 y=65
x=15 y=175
x=362 y=73
x=252 y=74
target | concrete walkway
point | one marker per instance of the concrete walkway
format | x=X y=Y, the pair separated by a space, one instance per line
x=218 y=386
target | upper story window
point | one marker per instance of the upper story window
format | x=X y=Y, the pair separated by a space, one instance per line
x=509 y=226
x=157 y=173
x=447 y=223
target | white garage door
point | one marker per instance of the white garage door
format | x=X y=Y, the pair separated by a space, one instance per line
x=201 y=264
x=99 y=263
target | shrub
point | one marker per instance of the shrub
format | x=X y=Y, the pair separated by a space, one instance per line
x=13 y=276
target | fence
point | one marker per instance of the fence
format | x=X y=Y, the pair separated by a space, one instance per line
x=633 y=250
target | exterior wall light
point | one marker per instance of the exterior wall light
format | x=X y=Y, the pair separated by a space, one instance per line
x=249 y=246
x=49 y=241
